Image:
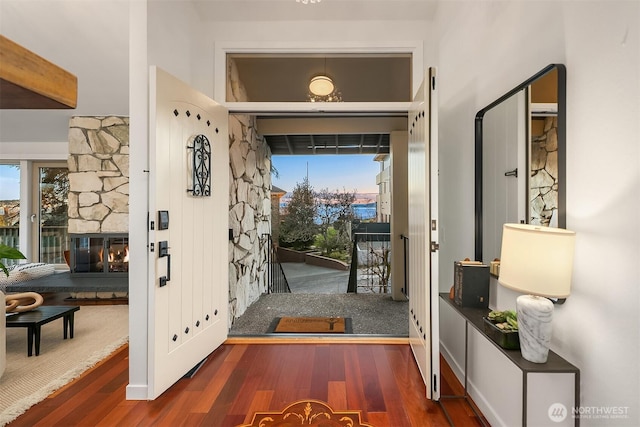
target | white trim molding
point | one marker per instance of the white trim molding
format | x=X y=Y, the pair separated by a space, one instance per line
x=34 y=150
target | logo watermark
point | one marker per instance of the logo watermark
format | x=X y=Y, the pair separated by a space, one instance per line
x=558 y=412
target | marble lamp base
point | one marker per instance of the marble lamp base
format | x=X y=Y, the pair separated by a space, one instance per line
x=534 y=327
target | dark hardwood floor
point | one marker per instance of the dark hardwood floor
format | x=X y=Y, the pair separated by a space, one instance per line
x=239 y=379
x=379 y=378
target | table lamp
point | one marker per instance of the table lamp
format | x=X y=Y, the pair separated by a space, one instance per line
x=537 y=261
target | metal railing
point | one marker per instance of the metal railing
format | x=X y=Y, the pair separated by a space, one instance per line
x=277 y=281
x=370 y=263
x=10 y=236
x=54 y=240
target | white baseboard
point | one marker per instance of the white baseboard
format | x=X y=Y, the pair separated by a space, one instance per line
x=458 y=370
x=453 y=363
x=137 y=392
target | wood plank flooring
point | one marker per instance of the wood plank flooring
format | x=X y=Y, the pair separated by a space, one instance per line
x=380 y=379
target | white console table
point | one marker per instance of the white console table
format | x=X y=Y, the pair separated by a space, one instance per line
x=555 y=364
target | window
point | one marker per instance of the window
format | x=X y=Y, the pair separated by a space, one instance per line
x=10 y=206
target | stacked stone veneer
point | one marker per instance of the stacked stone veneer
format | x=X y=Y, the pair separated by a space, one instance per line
x=98 y=174
x=249 y=206
x=544 y=174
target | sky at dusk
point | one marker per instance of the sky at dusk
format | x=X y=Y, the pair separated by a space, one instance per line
x=9 y=182
x=344 y=172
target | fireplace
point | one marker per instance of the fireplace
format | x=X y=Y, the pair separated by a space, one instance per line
x=99 y=254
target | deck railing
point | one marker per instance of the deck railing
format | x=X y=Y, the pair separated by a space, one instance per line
x=54 y=240
x=10 y=236
x=277 y=279
x=370 y=263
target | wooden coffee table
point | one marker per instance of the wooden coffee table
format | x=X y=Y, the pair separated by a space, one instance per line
x=34 y=319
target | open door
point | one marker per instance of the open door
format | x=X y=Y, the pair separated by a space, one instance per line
x=188 y=229
x=423 y=234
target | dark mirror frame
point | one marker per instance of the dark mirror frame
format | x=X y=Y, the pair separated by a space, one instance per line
x=562 y=149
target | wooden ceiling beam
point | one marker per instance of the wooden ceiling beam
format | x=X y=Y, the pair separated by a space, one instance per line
x=28 y=81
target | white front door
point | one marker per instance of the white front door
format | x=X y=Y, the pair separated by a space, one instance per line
x=188 y=229
x=423 y=234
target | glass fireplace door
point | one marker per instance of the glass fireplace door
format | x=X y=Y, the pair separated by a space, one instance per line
x=93 y=254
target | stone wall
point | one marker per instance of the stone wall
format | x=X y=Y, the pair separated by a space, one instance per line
x=98 y=174
x=249 y=207
x=544 y=175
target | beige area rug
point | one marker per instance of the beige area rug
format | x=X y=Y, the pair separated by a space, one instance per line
x=99 y=330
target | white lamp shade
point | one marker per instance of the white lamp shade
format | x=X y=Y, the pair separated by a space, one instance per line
x=537 y=260
x=321 y=85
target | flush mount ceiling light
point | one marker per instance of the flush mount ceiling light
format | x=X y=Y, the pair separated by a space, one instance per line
x=308 y=1
x=321 y=85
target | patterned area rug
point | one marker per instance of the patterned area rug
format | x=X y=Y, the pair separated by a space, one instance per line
x=309 y=413
x=311 y=325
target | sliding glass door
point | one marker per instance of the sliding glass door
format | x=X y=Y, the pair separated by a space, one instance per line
x=50 y=221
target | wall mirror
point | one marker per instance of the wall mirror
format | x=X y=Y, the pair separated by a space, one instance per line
x=520 y=154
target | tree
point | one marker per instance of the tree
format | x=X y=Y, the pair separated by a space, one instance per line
x=54 y=187
x=298 y=228
x=335 y=213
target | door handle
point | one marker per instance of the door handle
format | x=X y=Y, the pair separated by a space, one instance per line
x=165 y=279
x=163 y=252
x=33 y=217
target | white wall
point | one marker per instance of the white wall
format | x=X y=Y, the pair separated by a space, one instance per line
x=138 y=201
x=88 y=39
x=487 y=47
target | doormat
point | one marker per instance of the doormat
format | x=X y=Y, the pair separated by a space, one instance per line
x=307 y=412
x=311 y=325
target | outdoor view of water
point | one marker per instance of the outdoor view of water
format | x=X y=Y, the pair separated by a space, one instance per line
x=362 y=211
x=365 y=211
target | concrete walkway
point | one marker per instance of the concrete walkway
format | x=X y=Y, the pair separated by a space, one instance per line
x=319 y=291
x=310 y=279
